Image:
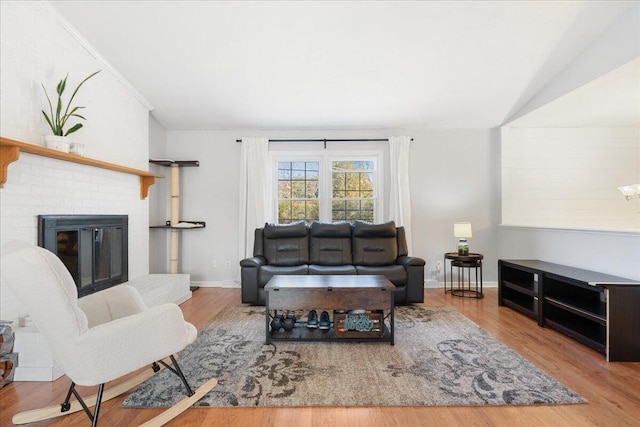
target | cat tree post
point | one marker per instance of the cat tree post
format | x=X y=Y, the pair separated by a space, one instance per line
x=175 y=218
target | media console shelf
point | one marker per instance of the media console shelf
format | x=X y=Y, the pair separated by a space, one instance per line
x=596 y=309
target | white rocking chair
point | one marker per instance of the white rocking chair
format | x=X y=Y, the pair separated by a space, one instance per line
x=98 y=338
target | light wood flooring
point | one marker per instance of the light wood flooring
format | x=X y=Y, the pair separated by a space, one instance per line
x=612 y=389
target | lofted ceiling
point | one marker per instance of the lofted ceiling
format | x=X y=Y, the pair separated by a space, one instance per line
x=612 y=100
x=208 y=65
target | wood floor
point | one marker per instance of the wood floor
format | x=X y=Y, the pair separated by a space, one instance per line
x=611 y=389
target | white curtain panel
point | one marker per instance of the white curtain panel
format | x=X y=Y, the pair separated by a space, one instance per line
x=255 y=191
x=400 y=193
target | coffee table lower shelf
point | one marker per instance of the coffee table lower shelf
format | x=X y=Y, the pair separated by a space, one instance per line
x=301 y=333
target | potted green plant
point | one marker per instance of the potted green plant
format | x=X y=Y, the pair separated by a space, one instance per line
x=57 y=120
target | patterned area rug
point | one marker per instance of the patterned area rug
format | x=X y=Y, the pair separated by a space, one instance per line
x=440 y=358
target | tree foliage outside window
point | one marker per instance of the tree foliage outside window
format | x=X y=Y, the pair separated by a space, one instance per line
x=350 y=193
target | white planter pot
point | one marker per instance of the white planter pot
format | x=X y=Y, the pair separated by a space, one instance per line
x=60 y=143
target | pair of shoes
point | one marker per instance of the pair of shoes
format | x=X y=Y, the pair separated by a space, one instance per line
x=312 y=320
x=325 y=321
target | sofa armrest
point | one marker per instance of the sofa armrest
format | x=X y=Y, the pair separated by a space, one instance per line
x=253 y=262
x=249 y=274
x=407 y=261
x=415 y=277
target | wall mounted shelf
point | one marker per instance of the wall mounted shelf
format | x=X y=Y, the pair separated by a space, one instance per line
x=10 y=152
x=180 y=163
x=187 y=225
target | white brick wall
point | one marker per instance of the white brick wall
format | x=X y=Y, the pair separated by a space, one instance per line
x=36 y=46
x=568 y=177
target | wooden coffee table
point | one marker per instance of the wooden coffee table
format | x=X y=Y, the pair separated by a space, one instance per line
x=320 y=293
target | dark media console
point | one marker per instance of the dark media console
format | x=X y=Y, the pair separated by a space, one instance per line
x=596 y=309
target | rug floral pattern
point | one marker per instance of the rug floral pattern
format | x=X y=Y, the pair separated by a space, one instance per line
x=439 y=358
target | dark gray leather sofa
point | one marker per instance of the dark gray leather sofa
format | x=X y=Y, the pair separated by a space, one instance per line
x=342 y=248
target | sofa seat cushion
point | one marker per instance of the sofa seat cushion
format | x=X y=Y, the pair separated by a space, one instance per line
x=286 y=245
x=268 y=271
x=332 y=269
x=374 y=244
x=395 y=273
x=330 y=244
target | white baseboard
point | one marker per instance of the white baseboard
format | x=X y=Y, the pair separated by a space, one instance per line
x=216 y=284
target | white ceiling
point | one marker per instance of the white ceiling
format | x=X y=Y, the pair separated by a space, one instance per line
x=207 y=65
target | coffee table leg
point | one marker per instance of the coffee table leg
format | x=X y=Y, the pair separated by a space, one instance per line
x=393 y=304
x=266 y=315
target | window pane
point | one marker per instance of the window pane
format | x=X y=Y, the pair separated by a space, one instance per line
x=284 y=211
x=312 y=190
x=297 y=189
x=284 y=189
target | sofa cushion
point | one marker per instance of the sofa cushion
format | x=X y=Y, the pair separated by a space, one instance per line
x=330 y=243
x=374 y=244
x=268 y=271
x=286 y=245
x=331 y=269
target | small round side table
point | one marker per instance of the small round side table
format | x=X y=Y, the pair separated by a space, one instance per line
x=462 y=263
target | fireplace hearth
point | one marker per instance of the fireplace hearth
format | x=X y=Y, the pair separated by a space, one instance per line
x=94 y=248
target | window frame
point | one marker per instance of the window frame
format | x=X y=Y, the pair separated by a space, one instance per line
x=325 y=158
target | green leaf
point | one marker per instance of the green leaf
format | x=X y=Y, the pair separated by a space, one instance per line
x=62 y=85
x=73 y=128
x=48 y=120
x=77 y=88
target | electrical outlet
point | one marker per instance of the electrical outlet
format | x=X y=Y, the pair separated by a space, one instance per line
x=214 y=264
x=228 y=264
x=438 y=265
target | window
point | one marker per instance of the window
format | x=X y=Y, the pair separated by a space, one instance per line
x=327 y=188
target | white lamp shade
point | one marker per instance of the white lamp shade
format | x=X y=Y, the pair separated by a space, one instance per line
x=462 y=229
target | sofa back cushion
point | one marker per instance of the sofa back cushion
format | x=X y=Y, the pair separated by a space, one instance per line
x=287 y=244
x=330 y=243
x=374 y=244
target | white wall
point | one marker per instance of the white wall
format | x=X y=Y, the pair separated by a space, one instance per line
x=610 y=252
x=454 y=176
x=569 y=177
x=35 y=46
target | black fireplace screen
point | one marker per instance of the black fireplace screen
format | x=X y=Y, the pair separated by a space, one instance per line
x=92 y=247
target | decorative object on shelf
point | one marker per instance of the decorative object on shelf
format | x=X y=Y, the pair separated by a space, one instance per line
x=630 y=191
x=462 y=230
x=57 y=119
x=77 y=149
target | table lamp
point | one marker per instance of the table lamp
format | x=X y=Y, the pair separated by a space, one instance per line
x=462 y=230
